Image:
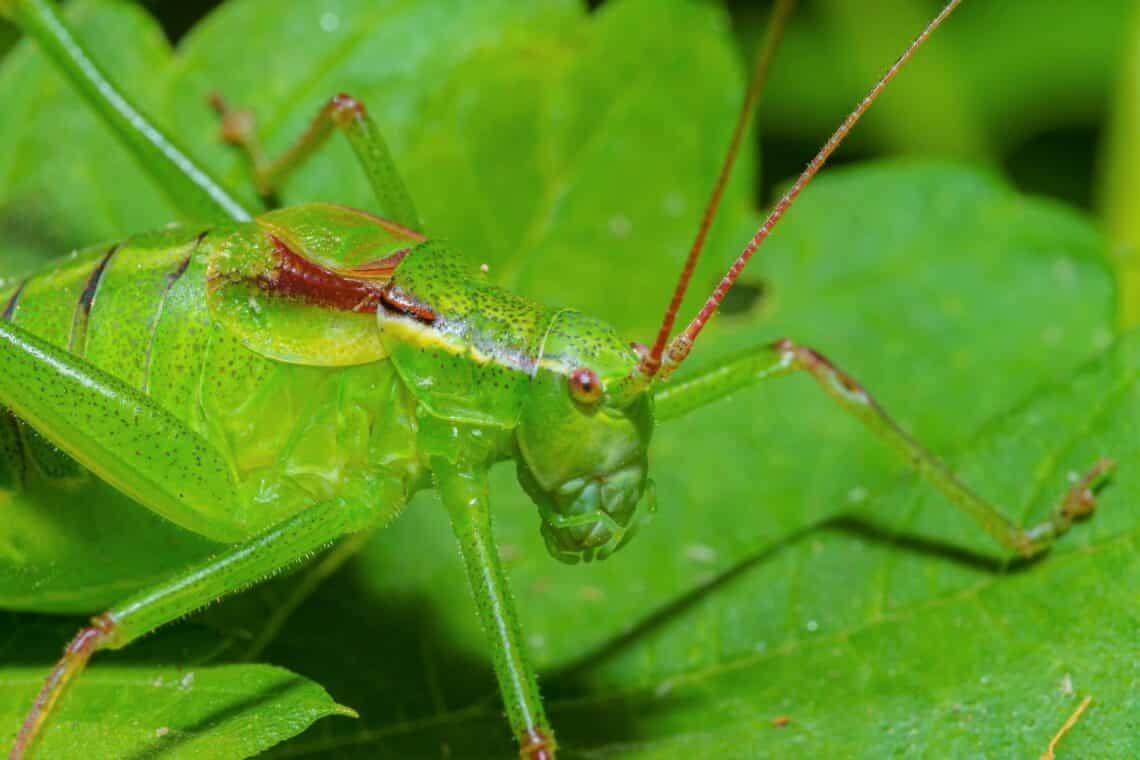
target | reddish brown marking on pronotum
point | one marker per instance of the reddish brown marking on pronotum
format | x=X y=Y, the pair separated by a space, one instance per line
x=298 y=277
x=536 y=745
x=395 y=299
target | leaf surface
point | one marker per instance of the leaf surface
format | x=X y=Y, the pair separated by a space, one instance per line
x=149 y=709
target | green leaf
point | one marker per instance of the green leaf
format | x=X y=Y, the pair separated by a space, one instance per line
x=224 y=711
x=152 y=710
x=795 y=568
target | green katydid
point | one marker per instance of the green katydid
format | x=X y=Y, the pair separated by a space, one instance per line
x=464 y=374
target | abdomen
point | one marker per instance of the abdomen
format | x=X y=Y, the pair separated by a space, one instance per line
x=294 y=434
x=68 y=542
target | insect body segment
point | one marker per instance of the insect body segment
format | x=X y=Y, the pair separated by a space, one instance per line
x=467 y=349
x=586 y=465
x=298 y=289
x=492 y=359
x=278 y=434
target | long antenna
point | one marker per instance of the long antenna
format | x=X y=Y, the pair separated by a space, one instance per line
x=651 y=361
x=680 y=346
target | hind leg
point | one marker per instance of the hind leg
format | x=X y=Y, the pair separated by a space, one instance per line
x=122 y=436
x=233 y=570
x=187 y=183
x=119 y=435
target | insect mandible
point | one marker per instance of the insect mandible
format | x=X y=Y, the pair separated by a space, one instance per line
x=462 y=374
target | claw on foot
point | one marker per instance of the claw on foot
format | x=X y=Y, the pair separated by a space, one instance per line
x=1081 y=498
x=1079 y=501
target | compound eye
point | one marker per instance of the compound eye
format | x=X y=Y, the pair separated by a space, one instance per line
x=585 y=387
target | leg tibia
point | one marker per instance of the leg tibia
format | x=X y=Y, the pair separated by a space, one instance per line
x=75 y=657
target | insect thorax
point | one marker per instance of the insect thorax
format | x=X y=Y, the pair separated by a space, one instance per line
x=467 y=349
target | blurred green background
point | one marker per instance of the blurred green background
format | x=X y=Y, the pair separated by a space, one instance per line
x=1038 y=105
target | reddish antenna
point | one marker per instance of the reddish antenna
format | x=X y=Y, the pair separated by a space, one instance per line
x=651 y=361
x=679 y=347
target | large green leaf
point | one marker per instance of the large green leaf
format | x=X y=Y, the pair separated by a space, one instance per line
x=794 y=568
x=175 y=710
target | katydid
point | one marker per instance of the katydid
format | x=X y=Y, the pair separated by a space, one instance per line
x=155 y=364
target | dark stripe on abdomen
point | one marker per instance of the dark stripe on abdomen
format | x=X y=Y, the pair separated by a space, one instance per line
x=171 y=280
x=14 y=300
x=130 y=297
x=13 y=462
x=78 y=341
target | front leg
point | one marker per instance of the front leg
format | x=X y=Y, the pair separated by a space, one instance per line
x=784 y=356
x=465 y=494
